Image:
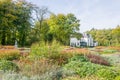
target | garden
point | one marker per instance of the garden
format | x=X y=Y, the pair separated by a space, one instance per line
x=41 y=38
x=53 y=61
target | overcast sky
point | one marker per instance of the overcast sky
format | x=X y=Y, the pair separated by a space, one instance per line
x=98 y=14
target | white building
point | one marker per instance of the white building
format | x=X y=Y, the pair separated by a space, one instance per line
x=86 y=40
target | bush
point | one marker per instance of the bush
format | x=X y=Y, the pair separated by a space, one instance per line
x=47 y=50
x=79 y=57
x=36 y=67
x=107 y=73
x=83 y=68
x=9 y=54
x=97 y=59
x=8 y=65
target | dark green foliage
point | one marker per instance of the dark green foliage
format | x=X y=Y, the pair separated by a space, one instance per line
x=15 y=21
x=83 y=68
x=8 y=66
x=79 y=57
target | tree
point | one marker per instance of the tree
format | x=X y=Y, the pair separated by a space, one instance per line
x=40 y=15
x=23 y=22
x=62 y=26
x=116 y=34
x=15 y=21
x=106 y=37
x=7 y=18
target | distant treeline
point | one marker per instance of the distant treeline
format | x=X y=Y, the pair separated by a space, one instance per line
x=106 y=37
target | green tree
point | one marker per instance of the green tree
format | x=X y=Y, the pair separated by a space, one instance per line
x=15 y=21
x=116 y=35
x=40 y=16
x=62 y=26
x=7 y=18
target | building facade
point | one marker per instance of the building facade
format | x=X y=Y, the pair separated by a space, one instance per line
x=85 y=41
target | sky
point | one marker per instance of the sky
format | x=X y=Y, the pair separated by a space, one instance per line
x=99 y=14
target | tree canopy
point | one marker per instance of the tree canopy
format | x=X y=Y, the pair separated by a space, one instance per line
x=107 y=37
x=15 y=21
x=16 y=24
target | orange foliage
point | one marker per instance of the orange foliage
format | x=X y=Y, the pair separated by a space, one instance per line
x=114 y=47
x=8 y=47
x=100 y=47
x=9 y=53
x=76 y=50
x=25 y=61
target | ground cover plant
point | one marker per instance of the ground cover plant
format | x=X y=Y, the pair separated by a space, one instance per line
x=83 y=67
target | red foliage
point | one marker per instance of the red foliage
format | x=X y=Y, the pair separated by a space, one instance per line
x=97 y=59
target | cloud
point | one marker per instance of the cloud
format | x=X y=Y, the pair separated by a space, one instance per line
x=92 y=13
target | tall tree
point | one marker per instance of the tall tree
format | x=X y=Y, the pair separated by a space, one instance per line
x=15 y=21
x=40 y=16
x=116 y=34
x=62 y=26
x=7 y=18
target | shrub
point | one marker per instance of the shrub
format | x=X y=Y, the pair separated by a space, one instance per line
x=36 y=67
x=51 y=51
x=83 y=68
x=9 y=54
x=47 y=50
x=8 y=65
x=97 y=59
x=79 y=57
